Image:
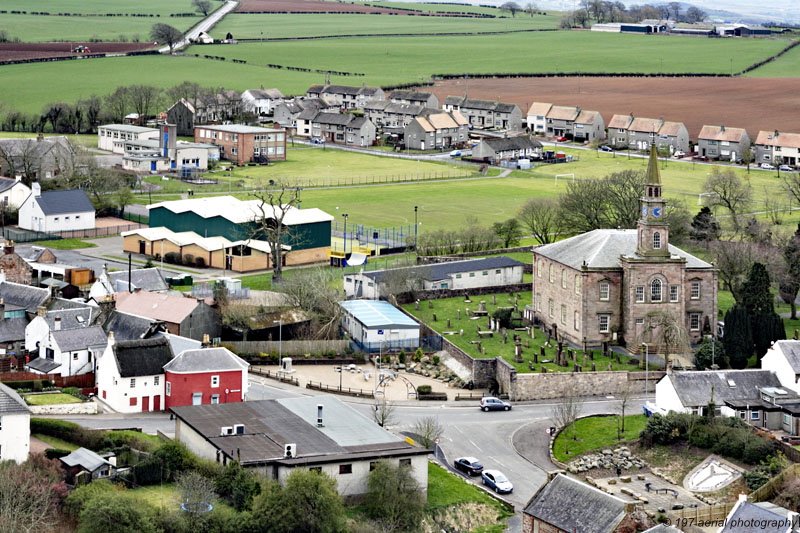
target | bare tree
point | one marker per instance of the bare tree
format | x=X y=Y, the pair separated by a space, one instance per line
x=729 y=191
x=531 y=8
x=399 y=281
x=197 y=493
x=117 y=104
x=695 y=14
x=564 y=413
x=28 y=498
x=542 y=217
x=791 y=184
x=748 y=157
x=273 y=205
x=166 y=34
x=610 y=202
x=384 y=413
x=144 y=100
x=202 y=6
x=428 y=429
x=665 y=332
x=624 y=400
x=774 y=207
x=676 y=9
x=511 y=7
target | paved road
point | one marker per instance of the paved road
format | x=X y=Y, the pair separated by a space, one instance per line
x=205 y=25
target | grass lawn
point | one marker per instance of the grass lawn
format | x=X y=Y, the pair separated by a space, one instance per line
x=55 y=442
x=56 y=398
x=597 y=432
x=137 y=439
x=446 y=489
x=446 y=309
x=166 y=495
x=258 y=282
x=66 y=244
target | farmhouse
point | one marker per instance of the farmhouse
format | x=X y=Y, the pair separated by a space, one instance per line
x=608 y=284
x=274 y=437
x=58 y=210
x=627 y=131
x=182 y=316
x=112 y=137
x=507 y=148
x=260 y=102
x=777 y=147
x=437 y=130
x=13 y=191
x=15 y=426
x=451 y=275
x=343 y=128
x=205 y=376
x=346 y=96
x=244 y=144
x=42 y=158
x=308 y=234
x=486 y=114
x=424 y=99
x=376 y=325
x=720 y=142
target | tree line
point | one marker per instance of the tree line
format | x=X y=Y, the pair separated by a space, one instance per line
x=605 y=11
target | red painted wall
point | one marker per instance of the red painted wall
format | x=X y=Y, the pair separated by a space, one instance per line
x=184 y=385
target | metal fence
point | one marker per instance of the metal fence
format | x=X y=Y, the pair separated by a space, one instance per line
x=289 y=348
x=428 y=344
x=355 y=235
x=280 y=376
x=361 y=393
x=23 y=235
x=206 y=290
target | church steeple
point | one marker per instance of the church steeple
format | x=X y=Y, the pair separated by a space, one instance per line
x=653 y=232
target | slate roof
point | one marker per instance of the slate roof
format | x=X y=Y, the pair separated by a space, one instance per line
x=439 y=271
x=206 y=360
x=602 y=248
x=791 y=351
x=43 y=365
x=453 y=100
x=71 y=340
x=59 y=304
x=34 y=148
x=86 y=459
x=32 y=254
x=571 y=505
x=506 y=144
x=7 y=183
x=179 y=344
x=403 y=109
x=148 y=279
x=341 y=89
x=500 y=107
x=722 y=133
x=412 y=96
x=242 y=128
x=12 y=329
x=338 y=119
x=11 y=402
x=71 y=318
x=745 y=514
x=694 y=388
x=474 y=103
x=661 y=528
x=64 y=202
x=23 y=296
x=265 y=93
x=143 y=357
x=128 y=327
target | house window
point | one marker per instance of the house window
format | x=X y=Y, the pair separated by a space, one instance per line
x=655 y=290
x=458 y=276
x=75 y=356
x=539 y=302
x=577 y=284
x=640 y=321
x=539 y=268
x=603 y=323
x=346 y=469
x=498 y=271
x=56 y=219
x=551 y=273
x=169 y=388
x=405 y=462
x=133 y=383
x=695 y=292
x=673 y=293
x=787 y=419
x=214 y=399
x=563 y=278
x=550 y=307
x=215 y=381
x=485 y=272
x=694 y=321
x=1 y=422
x=155 y=380
x=657 y=240
x=604 y=291
x=755 y=415
x=233 y=150
x=563 y=314
x=639 y=293
x=472 y=274
x=577 y=322
x=133 y=401
x=372 y=465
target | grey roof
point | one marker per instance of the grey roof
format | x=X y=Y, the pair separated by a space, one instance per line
x=602 y=248
x=180 y=344
x=241 y=128
x=358 y=122
x=53 y=282
x=341 y=89
x=11 y=402
x=128 y=128
x=453 y=100
x=64 y=202
x=148 y=279
x=70 y=318
x=13 y=329
x=33 y=148
x=33 y=254
x=127 y=327
x=413 y=96
x=745 y=514
x=58 y=304
x=440 y=271
x=661 y=528
x=72 y=340
x=505 y=108
x=474 y=103
x=694 y=388
x=86 y=459
x=308 y=113
x=404 y=109
x=512 y=143
x=376 y=105
x=144 y=357
x=206 y=360
x=43 y=365
x=790 y=350
x=266 y=93
x=338 y=119
x=23 y=296
x=7 y=183
x=571 y=505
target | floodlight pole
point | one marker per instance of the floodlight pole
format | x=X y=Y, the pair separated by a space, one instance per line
x=345 y=232
x=415 y=228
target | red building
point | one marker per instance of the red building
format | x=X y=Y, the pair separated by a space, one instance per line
x=205 y=376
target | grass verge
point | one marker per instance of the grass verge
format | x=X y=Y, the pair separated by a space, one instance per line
x=56 y=443
x=597 y=432
x=66 y=244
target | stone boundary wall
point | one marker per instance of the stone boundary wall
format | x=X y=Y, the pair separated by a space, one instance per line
x=438 y=294
x=557 y=384
x=85 y=408
x=429 y=259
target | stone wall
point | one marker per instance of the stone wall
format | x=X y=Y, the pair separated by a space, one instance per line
x=460 y=293
x=558 y=384
x=506 y=375
x=85 y=408
x=428 y=259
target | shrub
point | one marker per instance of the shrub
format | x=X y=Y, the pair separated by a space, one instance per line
x=424 y=389
x=331 y=354
x=436 y=359
x=117 y=511
x=25 y=385
x=200 y=262
x=401 y=357
x=393 y=498
x=171 y=258
x=729 y=444
x=188 y=259
x=660 y=430
x=304 y=491
x=148 y=472
x=175 y=457
x=238 y=485
x=79 y=497
x=702 y=436
x=418 y=355
x=755 y=479
x=55 y=453
x=92 y=439
x=503 y=316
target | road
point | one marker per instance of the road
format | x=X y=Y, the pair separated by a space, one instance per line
x=205 y=25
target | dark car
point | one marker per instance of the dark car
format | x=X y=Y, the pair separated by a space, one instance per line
x=495 y=480
x=606 y=148
x=494 y=404
x=469 y=465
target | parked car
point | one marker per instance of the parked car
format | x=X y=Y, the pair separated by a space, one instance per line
x=767 y=166
x=495 y=480
x=491 y=403
x=786 y=168
x=455 y=153
x=561 y=139
x=606 y=148
x=678 y=153
x=469 y=465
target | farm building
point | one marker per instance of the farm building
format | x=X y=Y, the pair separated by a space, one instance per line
x=630 y=27
x=309 y=232
x=112 y=137
x=451 y=275
x=58 y=210
x=437 y=130
x=376 y=325
x=720 y=142
x=507 y=148
x=778 y=147
x=244 y=144
x=740 y=30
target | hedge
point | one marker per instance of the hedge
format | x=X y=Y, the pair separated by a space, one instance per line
x=93 y=439
x=30 y=384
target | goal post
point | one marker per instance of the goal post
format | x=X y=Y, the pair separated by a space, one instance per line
x=565 y=176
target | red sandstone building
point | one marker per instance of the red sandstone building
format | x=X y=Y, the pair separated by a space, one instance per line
x=205 y=376
x=244 y=144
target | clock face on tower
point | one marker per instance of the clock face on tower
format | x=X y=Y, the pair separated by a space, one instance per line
x=644 y=210
x=657 y=212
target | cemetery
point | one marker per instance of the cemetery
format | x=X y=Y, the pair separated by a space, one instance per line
x=492 y=325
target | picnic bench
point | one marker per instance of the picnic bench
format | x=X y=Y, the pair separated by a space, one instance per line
x=650 y=487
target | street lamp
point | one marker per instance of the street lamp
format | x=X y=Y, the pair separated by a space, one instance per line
x=280 y=337
x=345 y=231
x=646 y=372
x=415 y=228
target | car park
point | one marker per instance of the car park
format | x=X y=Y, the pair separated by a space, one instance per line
x=469 y=465
x=767 y=166
x=490 y=403
x=495 y=480
x=786 y=168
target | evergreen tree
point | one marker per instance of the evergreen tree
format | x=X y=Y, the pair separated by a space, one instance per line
x=738 y=339
x=756 y=295
x=790 y=282
x=703 y=356
x=704 y=226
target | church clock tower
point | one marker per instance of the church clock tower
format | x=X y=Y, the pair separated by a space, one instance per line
x=653 y=231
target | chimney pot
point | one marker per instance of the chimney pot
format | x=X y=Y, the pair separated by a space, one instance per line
x=57 y=323
x=206 y=340
x=41 y=311
x=742 y=497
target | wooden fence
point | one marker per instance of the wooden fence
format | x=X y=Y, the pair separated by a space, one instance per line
x=347 y=391
x=771 y=487
x=687 y=520
x=280 y=376
x=83 y=381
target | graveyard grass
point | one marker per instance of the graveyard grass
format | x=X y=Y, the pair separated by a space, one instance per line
x=447 y=308
x=597 y=433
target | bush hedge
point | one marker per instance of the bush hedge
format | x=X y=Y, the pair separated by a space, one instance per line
x=29 y=384
x=93 y=439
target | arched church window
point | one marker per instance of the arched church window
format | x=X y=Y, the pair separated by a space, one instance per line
x=655 y=290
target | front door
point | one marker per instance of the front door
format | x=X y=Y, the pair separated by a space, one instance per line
x=145 y=403
x=142 y=249
x=156 y=403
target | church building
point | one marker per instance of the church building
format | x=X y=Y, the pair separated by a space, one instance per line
x=617 y=284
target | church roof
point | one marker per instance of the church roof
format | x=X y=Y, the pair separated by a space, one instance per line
x=653 y=174
x=602 y=248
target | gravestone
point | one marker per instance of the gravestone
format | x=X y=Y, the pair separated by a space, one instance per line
x=795 y=335
x=584 y=359
x=458 y=314
x=479 y=346
x=505 y=336
x=517 y=353
x=434 y=317
x=536 y=358
x=593 y=368
x=605 y=348
x=542 y=352
x=448 y=323
x=416 y=305
x=591 y=355
x=430 y=304
x=617 y=357
x=544 y=370
x=461 y=332
x=494 y=300
x=527 y=343
x=609 y=367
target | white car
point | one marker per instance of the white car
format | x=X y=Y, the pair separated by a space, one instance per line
x=678 y=153
x=767 y=166
x=495 y=480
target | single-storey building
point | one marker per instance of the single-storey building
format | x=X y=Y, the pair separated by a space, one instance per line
x=59 y=210
x=507 y=148
x=377 y=325
x=273 y=437
x=84 y=462
x=15 y=426
x=721 y=142
x=182 y=315
x=776 y=147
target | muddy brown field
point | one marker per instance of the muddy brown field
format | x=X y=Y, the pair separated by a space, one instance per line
x=751 y=103
x=13 y=51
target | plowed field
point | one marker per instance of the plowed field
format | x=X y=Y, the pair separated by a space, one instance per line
x=13 y=51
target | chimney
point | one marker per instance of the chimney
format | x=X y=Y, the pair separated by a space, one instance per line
x=18 y=177
x=722 y=128
x=40 y=137
x=206 y=340
x=742 y=497
x=41 y=311
x=105 y=270
x=2 y=307
x=2 y=275
x=111 y=338
x=36 y=189
x=57 y=323
x=8 y=248
x=319 y=416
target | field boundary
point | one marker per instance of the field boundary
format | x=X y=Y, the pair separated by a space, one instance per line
x=363 y=35
x=760 y=64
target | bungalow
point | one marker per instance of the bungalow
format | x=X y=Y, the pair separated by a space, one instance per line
x=507 y=148
x=183 y=316
x=486 y=114
x=437 y=130
x=777 y=147
x=346 y=96
x=260 y=102
x=59 y=210
x=205 y=376
x=627 y=131
x=83 y=463
x=15 y=426
x=424 y=99
x=720 y=142
x=377 y=325
x=343 y=128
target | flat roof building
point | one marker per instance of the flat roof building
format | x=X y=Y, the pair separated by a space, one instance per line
x=376 y=325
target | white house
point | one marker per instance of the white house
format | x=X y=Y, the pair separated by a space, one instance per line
x=261 y=101
x=130 y=374
x=15 y=426
x=112 y=137
x=13 y=192
x=783 y=358
x=375 y=324
x=52 y=211
x=39 y=329
x=69 y=352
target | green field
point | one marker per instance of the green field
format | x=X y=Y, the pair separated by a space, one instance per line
x=598 y=432
x=441 y=7
x=32 y=28
x=270 y=26
x=786 y=66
